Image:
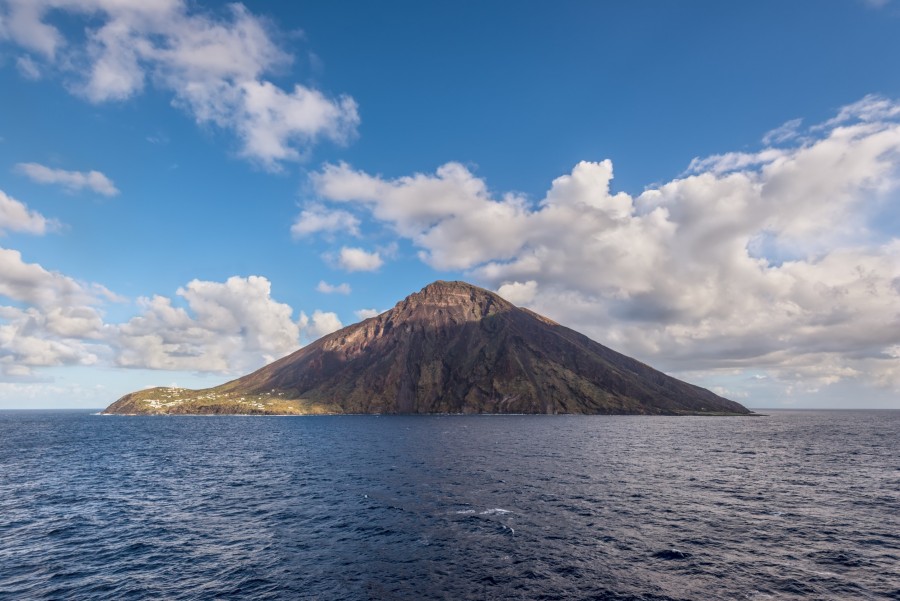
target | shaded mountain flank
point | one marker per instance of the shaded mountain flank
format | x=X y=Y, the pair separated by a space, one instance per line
x=450 y=348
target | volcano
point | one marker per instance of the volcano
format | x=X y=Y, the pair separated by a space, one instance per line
x=450 y=348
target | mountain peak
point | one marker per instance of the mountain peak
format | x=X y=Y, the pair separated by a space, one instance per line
x=473 y=301
x=456 y=288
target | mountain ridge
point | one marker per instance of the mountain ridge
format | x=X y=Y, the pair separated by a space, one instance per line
x=450 y=348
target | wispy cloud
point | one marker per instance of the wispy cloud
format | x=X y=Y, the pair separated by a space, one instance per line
x=871 y=108
x=732 y=161
x=158 y=138
x=326 y=288
x=28 y=68
x=73 y=181
x=783 y=133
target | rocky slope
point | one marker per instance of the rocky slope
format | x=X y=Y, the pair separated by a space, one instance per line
x=450 y=348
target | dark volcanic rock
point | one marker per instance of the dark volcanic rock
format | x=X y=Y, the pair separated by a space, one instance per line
x=455 y=348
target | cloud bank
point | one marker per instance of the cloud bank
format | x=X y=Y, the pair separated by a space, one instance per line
x=55 y=319
x=229 y=327
x=770 y=260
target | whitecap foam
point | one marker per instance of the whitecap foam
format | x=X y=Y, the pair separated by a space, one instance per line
x=495 y=511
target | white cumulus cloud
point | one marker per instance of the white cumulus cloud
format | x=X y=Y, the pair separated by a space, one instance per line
x=228 y=327
x=70 y=180
x=31 y=284
x=15 y=216
x=30 y=338
x=357 y=259
x=450 y=214
x=320 y=324
x=316 y=218
x=519 y=293
x=366 y=313
x=216 y=66
x=55 y=320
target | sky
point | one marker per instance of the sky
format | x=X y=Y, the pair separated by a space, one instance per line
x=189 y=190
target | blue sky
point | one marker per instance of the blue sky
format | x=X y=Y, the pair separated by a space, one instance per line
x=189 y=190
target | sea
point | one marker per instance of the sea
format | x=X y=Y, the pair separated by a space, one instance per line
x=787 y=505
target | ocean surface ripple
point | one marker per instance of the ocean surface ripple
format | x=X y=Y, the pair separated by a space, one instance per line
x=793 y=505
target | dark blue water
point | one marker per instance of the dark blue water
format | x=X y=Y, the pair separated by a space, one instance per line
x=796 y=505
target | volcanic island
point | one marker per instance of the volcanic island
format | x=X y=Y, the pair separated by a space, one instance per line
x=450 y=348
